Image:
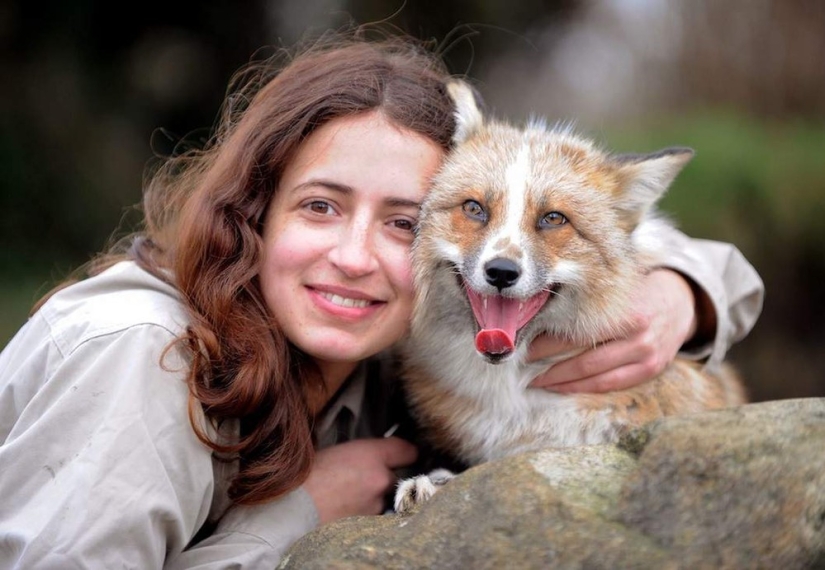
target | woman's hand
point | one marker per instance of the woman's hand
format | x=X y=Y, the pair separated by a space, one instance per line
x=662 y=319
x=353 y=478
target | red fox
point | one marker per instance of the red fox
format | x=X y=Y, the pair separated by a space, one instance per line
x=529 y=230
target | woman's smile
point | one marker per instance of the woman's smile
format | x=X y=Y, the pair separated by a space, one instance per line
x=344 y=303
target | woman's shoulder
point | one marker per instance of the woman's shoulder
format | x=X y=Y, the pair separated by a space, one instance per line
x=120 y=298
x=109 y=332
x=103 y=352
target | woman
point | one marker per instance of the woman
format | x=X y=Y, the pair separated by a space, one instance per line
x=218 y=388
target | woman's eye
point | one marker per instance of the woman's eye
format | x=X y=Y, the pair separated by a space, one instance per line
x=474 y=210
x=552 y=219
x=404 y=224
x=320 y=207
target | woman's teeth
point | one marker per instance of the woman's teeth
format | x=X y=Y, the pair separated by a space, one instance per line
x=345 y=302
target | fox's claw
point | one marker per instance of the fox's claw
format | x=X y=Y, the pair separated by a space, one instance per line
x=417 y=490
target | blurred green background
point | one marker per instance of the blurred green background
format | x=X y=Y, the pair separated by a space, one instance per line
x=92 y=91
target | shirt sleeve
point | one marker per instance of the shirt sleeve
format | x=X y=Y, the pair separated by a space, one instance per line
x=252 y=536
x=728 y=282
x=102 y=469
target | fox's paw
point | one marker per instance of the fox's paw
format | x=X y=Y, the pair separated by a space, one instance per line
x=418 y=490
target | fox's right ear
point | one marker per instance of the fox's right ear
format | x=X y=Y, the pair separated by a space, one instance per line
x=468 y=116
x=647 y=177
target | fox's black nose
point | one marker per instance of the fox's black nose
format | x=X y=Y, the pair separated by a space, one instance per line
x=501 y=273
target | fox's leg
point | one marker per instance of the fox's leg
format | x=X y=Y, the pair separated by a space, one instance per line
x=417 y=490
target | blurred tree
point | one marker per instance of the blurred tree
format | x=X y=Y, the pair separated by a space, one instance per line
x=491 y=26
x=764 y=57
x=91 y=82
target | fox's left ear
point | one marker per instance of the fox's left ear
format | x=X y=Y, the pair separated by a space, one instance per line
x=646 y=177
x=468 y=115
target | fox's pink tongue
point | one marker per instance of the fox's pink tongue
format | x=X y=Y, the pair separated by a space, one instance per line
x=500 y=318
x=494 y=341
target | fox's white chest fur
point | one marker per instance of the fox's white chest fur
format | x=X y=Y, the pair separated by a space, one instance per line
x=486 y=410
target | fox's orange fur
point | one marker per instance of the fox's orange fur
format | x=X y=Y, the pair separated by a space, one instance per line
x=516 y=213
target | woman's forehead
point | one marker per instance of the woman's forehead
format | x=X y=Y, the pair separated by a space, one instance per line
x=366 y=151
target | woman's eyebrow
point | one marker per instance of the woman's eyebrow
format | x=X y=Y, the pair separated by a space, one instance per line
x=392 y=201
x=402 y=203
x=330 y=184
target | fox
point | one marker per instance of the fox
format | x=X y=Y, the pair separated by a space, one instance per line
x=531 y=229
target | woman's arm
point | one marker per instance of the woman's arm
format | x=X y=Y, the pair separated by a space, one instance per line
x=729 y=293
x=254 y=536
x=705 y=297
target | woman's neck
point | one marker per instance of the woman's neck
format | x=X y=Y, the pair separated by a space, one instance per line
x=333 y=376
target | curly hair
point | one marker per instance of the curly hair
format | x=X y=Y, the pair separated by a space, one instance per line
x=203 y=213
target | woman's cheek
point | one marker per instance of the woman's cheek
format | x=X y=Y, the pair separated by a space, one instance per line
x=405 y=270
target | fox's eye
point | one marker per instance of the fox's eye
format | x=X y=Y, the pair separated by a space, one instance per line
x=553 y=219
x=474 y=210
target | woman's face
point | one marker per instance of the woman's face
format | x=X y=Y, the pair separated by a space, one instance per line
x=336 y=270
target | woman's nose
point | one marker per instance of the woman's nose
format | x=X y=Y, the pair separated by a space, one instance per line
x=354 y=253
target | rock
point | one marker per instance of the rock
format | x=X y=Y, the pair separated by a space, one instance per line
x=738 y=488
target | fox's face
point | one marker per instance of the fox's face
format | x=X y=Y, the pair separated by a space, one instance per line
x=531 y=229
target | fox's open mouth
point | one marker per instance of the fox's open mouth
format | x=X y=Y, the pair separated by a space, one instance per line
x=500 y=319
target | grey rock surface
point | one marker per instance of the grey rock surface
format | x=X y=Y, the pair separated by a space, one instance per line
x=738 y=488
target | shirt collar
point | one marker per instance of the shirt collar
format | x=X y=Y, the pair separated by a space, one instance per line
x=350 y=396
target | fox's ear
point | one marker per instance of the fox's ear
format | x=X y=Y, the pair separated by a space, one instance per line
x=646 y=177
x=468 y=117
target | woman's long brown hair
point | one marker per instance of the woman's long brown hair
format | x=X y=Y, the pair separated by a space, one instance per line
x=203 y=212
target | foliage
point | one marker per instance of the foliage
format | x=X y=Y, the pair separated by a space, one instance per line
x=748 y=178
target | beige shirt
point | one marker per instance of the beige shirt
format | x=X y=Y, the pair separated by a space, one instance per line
x=99 y=467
